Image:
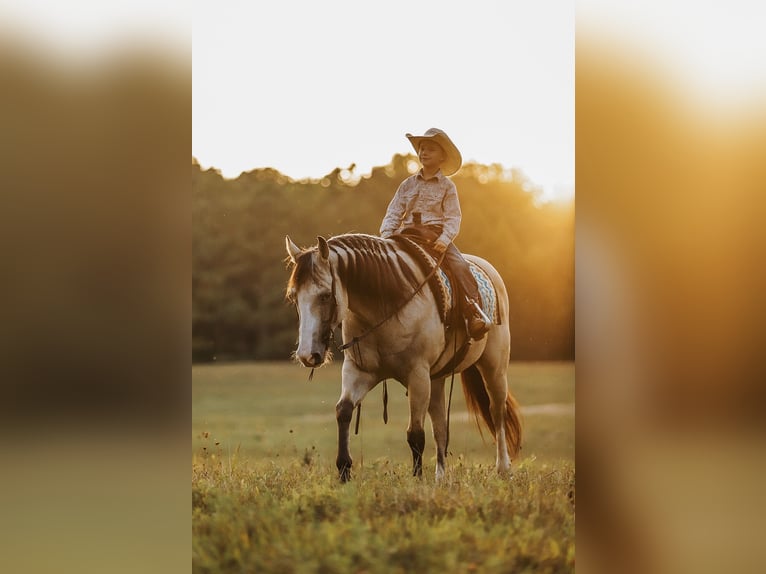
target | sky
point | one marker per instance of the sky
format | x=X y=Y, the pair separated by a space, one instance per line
x=305 y=87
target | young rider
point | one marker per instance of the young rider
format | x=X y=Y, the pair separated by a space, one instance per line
x=428 y=202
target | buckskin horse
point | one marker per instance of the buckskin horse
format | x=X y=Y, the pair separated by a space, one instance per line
x=394 y=328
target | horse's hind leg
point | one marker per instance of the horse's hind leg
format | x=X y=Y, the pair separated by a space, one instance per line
x=438 y=414
x=497 y=388
x=419 y=393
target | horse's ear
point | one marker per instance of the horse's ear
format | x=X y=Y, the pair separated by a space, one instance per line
x=324 y=249
x=292 y=249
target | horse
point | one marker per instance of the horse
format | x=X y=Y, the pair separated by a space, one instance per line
x=376 y=292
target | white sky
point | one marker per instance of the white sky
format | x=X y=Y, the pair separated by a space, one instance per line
x=305 y=86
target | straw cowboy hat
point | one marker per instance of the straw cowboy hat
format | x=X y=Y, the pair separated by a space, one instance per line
x=453 y=159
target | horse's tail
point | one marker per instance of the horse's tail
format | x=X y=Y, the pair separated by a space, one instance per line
x=477 y=401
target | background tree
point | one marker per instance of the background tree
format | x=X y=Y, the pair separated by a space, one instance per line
x=238 y=257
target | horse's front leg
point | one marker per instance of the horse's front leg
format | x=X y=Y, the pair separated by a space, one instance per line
x=419 y=393
x=343 y=412
x=355 y=385
x=438 y=414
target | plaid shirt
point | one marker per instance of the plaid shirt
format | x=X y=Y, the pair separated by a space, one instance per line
x=435 y=199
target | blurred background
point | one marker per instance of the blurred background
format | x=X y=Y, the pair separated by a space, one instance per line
x=98 y=242
x=670 y=119
x=96 y=233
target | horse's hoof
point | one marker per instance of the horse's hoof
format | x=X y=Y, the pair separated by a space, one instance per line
x=505 y=471
x=345 y=474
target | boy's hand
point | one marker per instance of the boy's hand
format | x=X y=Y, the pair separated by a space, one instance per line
x=440 y=246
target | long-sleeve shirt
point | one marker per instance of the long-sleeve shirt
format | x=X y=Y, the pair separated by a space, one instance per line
x=435 y=199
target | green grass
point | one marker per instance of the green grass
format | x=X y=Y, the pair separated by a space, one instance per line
x=266 y=496
x=296 y=517
x=270 y=410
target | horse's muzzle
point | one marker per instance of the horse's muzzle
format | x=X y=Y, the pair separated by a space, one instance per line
x=313 y=360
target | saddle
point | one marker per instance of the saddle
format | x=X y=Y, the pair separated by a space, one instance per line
x=445 y=289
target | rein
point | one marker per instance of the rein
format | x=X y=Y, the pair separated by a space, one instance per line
x=428 y=277
x=355 y=342
x=449 y=402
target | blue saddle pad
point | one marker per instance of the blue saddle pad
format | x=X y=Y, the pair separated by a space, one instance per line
x=486 y=291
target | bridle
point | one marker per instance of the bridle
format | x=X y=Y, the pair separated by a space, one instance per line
x=328 y=326
x=329 y=336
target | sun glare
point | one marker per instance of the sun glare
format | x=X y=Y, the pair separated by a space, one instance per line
x=559 y=192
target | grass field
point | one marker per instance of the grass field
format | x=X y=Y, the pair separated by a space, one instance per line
x=266 y=496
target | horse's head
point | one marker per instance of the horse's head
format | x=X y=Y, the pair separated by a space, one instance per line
x=314 y=289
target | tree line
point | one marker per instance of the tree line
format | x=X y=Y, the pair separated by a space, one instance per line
x=238 y=256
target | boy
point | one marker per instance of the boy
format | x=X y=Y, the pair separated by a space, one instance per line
x=428 y=202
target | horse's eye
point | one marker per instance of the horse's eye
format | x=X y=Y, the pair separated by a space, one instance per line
x=325 y=297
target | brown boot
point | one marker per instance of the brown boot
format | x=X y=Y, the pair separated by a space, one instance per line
x=478 y=323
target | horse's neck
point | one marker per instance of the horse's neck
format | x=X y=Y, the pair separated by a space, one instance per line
x=361 y=304
x=376 y=297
